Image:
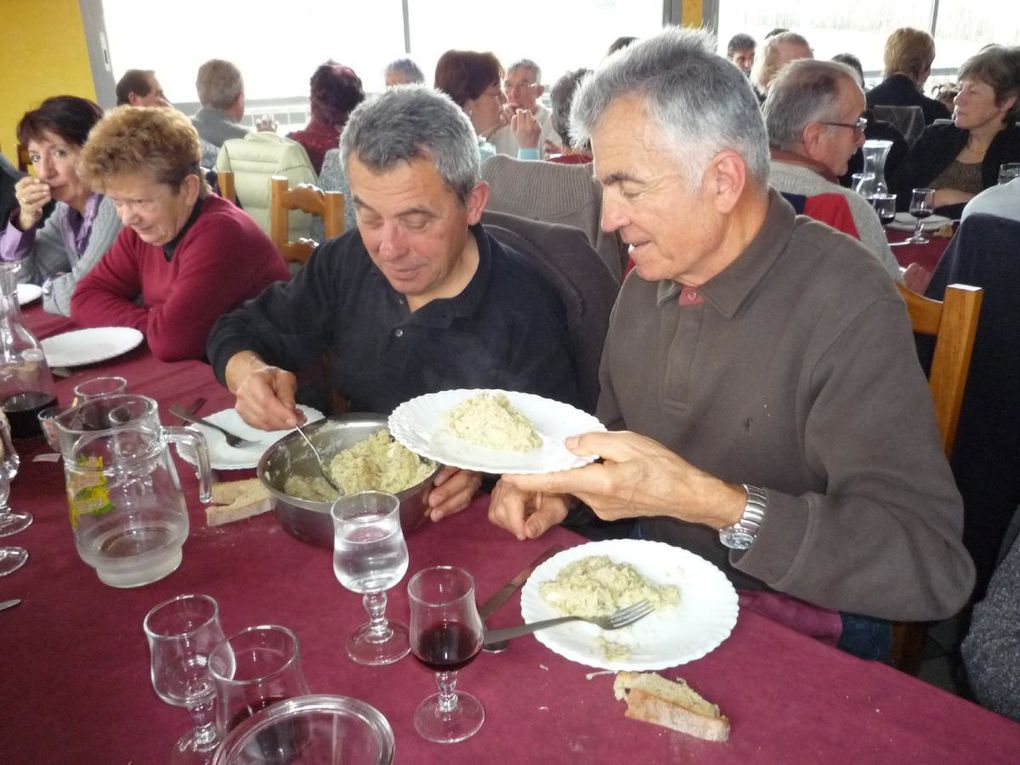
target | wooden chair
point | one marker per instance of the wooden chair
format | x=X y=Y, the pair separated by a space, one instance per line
x=953 y=322
x=225 y=179
x=329 y=205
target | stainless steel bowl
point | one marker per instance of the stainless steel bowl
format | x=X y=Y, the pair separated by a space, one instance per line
x=309 y=519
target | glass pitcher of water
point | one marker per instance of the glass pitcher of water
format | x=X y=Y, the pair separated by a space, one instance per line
x=127 y=510
x=873 y=174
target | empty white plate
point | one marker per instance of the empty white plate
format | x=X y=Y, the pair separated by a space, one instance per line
x=88 y=346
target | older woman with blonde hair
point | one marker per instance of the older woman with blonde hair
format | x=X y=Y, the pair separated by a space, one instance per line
x=908 y=57
x=184 y=257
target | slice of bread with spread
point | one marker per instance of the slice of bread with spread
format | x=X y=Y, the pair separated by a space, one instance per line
x=653 y=698
x=237 y=500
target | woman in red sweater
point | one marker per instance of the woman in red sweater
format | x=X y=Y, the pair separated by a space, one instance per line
x=184 y=256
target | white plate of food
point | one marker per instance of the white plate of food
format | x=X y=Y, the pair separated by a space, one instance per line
x=28 y=293
x=222 y=456
x=906 y=222
x=423 y=425
x=89 y=346
x=673 y=634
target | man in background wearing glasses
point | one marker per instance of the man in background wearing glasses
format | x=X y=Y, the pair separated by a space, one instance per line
x=814 y=115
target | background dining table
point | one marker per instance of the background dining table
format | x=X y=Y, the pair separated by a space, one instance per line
x=75 y=667
x=927 y=255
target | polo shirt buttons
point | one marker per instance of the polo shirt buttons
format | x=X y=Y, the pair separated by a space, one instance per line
x=399 y=333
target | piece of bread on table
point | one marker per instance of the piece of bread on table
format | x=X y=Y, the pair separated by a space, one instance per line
x=237 y=500
x=653 y=698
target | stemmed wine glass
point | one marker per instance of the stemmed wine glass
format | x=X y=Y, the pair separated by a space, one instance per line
x=446 y=634
x=922 y=205
x=11 y=558
x=370 y=557
x=182 y=632
x=253 y=669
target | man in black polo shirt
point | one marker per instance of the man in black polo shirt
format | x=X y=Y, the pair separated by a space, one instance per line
x=418 y=299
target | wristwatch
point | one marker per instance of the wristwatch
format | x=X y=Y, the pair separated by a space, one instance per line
x=741 y=535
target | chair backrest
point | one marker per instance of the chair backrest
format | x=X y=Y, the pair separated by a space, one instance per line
x=584 y=284
x=328 y=205
x=953 y=322
x=554 y=193
x=909 y=120
x=225 y=180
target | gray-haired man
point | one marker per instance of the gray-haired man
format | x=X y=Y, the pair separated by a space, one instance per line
x=780 y=423
x=418 y=299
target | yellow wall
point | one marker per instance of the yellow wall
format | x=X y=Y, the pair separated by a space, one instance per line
x=43 y=53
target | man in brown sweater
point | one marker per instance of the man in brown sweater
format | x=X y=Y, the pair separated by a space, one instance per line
x=780 y=424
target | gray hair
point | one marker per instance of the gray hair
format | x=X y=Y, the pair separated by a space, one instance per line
x=804 y=91
x=526 y=63
x=409 y=122
x=408 y=71
x=219 y=84
x=700 y=101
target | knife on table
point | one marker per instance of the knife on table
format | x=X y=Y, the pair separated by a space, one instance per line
x=489 y=607
x=197 y=404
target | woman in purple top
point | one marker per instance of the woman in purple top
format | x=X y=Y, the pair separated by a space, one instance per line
x=84 y=224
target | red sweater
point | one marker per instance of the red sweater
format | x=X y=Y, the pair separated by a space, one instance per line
x=222 y=260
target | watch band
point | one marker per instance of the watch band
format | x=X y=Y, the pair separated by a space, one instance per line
x=742 y=534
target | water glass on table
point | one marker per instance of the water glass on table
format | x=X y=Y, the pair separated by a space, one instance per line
x=446 y=635
x=1008 y=171
x=370 y=557
x=182 y=632
x=922 y=206
x=97 y=387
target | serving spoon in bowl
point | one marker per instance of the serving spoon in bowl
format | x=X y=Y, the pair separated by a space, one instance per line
x=323 y=467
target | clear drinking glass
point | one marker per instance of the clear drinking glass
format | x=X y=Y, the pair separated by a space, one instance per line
x=182 y=632
x=446 y=634
x=97 y=387
x=11 y=557
x=922 y=205
x=370 y=557
x=885 y=206
x=10 y=521
x=252 y=670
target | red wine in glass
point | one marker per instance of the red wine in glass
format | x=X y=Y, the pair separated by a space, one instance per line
x=447 y=646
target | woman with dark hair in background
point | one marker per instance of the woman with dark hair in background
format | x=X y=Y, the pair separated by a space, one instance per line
x=336 y=90
x=475 y=83
x=961 y=159
x=59 y=252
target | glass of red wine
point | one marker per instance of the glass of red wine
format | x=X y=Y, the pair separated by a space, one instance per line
x=181 y=633
x=253 y=669
x=885 y=206
x=446 y=634
x=922 y=205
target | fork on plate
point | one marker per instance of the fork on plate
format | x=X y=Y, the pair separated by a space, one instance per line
x=624 y=617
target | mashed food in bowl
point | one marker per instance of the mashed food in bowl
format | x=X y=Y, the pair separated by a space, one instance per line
x=376 y=464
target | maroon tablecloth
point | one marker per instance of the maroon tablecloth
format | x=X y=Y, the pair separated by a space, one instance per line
x=75 y=681
x=926 y=254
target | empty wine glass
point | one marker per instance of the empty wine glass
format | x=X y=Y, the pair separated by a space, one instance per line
x=922 y=205
x=370 y=557
x=885 y=206
x=253 y=669
x=182 y=632
x=446 y=634
x=11 y=557
x=1008 y=171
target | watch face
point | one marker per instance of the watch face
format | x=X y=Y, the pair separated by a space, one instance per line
x=737 y=540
